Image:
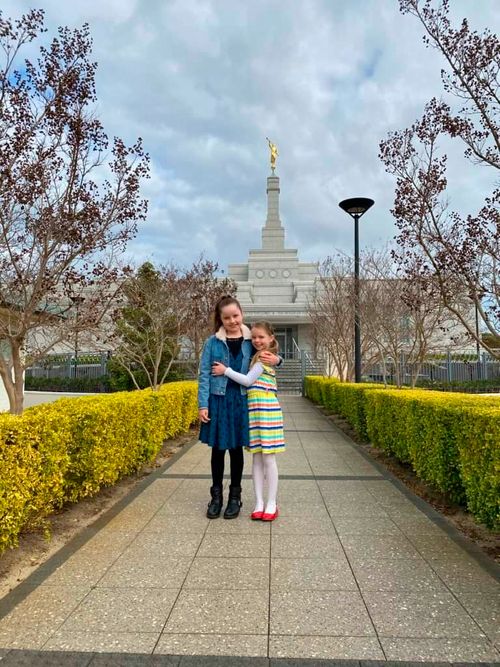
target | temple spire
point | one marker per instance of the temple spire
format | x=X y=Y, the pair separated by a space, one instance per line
x=273 y=233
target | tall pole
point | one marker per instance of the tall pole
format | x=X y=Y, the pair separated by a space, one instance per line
x=76 y=342
x=478 y=347
x=356 y=207
x=357 y=323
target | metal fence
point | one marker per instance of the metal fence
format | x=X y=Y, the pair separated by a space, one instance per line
x=89 y=366
x=446 y=368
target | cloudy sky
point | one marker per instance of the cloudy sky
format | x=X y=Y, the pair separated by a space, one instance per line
x=203 y=82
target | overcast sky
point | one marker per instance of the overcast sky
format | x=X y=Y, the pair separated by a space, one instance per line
x=203 y=82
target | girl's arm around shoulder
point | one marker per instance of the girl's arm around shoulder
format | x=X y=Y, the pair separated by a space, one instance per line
x=248 y=379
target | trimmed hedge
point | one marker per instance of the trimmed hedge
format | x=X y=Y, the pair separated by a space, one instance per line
x=63 y=451
x=452 y=441
x=478 y=435
x=343 y=398
x=315 y=387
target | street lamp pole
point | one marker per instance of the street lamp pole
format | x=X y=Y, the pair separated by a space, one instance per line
x=357 y=322
x=356 y=207
x=478 y=347
x=76 y=300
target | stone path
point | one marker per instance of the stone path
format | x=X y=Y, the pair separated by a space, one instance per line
x=355 y=568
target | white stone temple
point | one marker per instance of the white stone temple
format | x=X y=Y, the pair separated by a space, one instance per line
x=274 y=285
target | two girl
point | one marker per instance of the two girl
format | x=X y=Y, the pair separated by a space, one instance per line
x=223 y=408
x=265 y=419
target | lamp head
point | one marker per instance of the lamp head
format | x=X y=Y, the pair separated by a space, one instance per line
x=356 y=206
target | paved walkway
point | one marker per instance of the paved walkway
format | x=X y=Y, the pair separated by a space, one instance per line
x=355 y=568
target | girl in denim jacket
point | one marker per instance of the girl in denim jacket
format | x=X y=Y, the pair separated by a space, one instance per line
x=223 y=410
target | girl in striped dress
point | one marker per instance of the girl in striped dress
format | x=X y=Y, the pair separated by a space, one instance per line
x=265 y=419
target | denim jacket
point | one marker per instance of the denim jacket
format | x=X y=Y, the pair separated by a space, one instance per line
x=216 y=349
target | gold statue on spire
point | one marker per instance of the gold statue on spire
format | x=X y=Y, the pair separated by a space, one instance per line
x=274 y=153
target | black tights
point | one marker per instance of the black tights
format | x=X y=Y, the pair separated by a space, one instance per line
x=236 y=460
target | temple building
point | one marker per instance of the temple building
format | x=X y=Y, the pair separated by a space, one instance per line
x=274 y=285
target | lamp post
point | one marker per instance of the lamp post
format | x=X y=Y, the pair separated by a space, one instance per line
x=478 y=346
x=76 y=300
x=356 y=207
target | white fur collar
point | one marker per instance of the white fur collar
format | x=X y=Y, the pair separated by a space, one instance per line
x=221 y=334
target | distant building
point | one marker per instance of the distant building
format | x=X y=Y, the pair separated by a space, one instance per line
x=273 y=285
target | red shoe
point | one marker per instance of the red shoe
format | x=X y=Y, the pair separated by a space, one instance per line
x=256 y=516
x=266 y=516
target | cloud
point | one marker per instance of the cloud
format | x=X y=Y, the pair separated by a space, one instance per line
x=205 y=81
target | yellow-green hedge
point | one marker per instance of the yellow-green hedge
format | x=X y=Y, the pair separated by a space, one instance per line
x=343 y=398
x=451 y=440
x=64 y=451
x=478 y=435
x=316 y=386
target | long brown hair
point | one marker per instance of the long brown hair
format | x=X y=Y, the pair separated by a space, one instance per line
x=226 y=300
x=268 y=328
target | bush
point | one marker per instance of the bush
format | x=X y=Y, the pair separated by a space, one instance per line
x=69 y=449
x=315 y=387
x=33 y=464
x=343 y=398
x=477 y=432
x=462 y=386
x=79 y=385
x=451 y=440
x=118 y=379
x=349 y=400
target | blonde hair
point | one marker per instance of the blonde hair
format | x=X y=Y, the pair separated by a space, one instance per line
x=273 y=347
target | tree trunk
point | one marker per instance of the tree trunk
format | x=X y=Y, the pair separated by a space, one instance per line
x=12 y=375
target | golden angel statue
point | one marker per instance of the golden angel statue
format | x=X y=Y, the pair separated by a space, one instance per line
x=274 y=153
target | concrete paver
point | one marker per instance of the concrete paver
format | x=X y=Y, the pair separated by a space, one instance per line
x=355 y=569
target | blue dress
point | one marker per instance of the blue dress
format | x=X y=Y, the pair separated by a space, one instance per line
x=228 y=425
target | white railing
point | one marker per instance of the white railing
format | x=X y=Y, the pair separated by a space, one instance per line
x=296 y=349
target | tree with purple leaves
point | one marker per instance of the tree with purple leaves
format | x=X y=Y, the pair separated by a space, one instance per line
x=69 y=199
x=460 y=253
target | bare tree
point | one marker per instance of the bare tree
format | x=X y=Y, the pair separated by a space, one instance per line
x=332 y=315
x=202 y=289
x=405 y=318
x=460 y=254
x=65 y=213
x=399 y=317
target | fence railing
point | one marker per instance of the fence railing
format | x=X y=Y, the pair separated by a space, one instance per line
x=88 y=366
x=447 y=368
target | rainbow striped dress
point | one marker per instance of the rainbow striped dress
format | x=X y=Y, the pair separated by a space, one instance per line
x=264 y=415
x=264 y=411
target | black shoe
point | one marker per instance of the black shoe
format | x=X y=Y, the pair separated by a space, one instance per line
x=234 y=503
x=215 y=505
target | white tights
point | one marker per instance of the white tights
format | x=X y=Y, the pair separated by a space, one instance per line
x=264 y=467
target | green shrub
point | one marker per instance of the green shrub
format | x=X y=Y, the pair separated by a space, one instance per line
x=63 y=384
x=118 y=379
x=349 y=400
x=315 y=387
x=477 y=433
x=344 y=398
x=451 y=440
x=66 y=450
